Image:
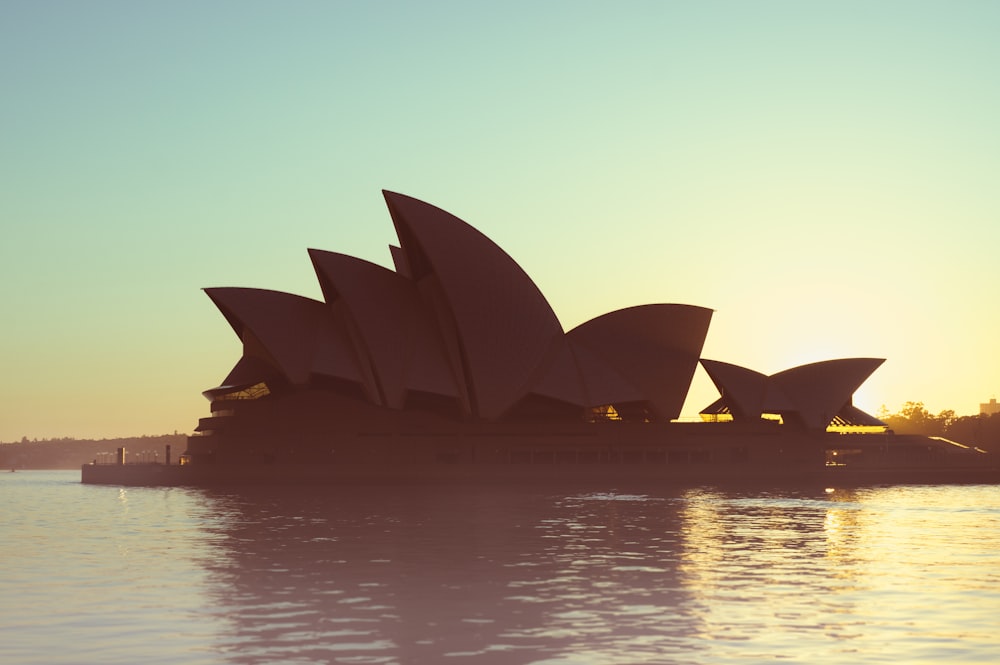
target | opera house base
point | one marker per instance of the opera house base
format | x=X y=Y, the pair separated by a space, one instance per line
x=140 y=475
x=696 y=455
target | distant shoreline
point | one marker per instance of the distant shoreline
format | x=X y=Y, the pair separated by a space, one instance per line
x=68 y=453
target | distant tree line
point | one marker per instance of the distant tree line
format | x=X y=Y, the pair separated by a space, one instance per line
x=914 y=418
x=70 y=453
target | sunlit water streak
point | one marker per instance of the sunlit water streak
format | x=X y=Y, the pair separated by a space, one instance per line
x=492 y=575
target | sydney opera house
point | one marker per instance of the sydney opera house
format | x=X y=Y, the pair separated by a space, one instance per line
x=454 y=359
x=456 y=355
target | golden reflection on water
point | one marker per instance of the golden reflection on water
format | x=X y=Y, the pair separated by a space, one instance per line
x=842 y=526
x=831 y=575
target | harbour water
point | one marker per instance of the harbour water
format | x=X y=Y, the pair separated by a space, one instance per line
x=97 y=574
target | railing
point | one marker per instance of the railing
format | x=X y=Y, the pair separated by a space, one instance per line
x=136 y=457
x=128 y=457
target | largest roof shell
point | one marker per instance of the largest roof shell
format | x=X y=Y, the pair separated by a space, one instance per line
x=503 y=324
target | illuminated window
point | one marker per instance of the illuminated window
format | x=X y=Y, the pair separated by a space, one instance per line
x=256 y=391
x=843 y=457
x=839 y=428
x=843 y=424
x=603 y=413
x=718 y=412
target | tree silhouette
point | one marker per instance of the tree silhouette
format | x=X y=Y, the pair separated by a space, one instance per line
x=914 y=418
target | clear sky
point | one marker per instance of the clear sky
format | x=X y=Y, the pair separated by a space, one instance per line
x=826 y=176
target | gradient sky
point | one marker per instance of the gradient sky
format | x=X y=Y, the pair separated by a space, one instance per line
x=823 y=175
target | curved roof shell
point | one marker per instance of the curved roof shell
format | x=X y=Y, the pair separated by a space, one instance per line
x=394 y=334
x=285 y=325
x=743 y=389
x=298 y=335
x=503 y=324
x=818 y=391
x=814 y=394
x=654 y=347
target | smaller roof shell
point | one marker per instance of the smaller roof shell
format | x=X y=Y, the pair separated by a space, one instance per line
x=284 y=323
x=743 y=389
x=395 y=333
x=813 y=393
x=818 y=391
x=655 y=347
x=299 y=336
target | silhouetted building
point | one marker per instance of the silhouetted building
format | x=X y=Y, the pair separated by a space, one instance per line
x=989 y=408
x=453 y=367
x=459 y=333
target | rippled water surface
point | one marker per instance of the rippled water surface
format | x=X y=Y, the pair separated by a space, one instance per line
x=496 y=575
